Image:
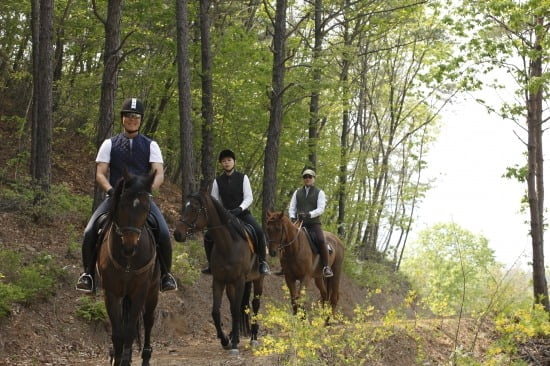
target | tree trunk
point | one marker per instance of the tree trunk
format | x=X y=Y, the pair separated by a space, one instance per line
x=276 y=109
x=184 y=89
x=43 y=117
x=111 y=60
x=207 y=108
x=535 y=178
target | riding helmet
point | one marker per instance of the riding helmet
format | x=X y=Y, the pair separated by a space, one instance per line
x=226 y=154
x=132 y=105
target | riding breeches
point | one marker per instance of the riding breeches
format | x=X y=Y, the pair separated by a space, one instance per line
x=320 y=240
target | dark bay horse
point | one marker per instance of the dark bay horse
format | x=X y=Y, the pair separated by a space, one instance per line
x=234 y=266
x=128 y=268
x=298 y=261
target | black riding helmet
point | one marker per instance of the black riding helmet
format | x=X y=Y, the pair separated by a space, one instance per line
x=226 y=154
x=132 y=105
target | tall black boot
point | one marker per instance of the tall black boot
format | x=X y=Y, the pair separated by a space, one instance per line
x=86 y=281
x=208 y=245
x=264 y=267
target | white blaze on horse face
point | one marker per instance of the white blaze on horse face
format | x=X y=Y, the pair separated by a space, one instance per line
x=136 y=202
x=187 y=204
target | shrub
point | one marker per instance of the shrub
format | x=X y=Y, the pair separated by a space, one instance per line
x=91 y=310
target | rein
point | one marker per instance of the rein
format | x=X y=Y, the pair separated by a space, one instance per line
x=284 y=245
x=192 y=226
x=127 y=268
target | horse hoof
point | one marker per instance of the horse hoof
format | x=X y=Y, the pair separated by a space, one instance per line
x=254 y=343
x=234 y=352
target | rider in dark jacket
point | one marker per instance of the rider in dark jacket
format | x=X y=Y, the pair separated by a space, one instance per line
x=232 y=189
x=140 y=155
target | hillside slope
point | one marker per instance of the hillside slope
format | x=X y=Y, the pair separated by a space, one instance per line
x=49 y=333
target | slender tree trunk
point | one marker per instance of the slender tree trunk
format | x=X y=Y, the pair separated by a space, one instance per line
x=535 y=178
x=207 y=108
x=316 y=79
x=43 y=122
x=184 y=90
x=276 y=109
x=111 y=60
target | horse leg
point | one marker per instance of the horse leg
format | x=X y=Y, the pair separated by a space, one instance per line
x=114 y=310
x=235 y=293
x=294 y=291
x=217 y=293
x=132 y=310
x=245 y=313
x=148 y=321
x=258 y=291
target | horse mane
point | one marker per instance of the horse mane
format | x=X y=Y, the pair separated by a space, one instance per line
x=233 y=224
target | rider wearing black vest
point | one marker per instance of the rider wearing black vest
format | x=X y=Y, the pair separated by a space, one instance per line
x=232 y=189
x=140 y=155
x=308 y=204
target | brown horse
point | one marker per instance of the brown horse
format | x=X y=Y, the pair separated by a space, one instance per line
x=128 y=268
x=234 y=265
x=298 y=261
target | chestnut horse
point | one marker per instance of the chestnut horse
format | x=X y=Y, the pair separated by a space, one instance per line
x=232 y=261
x=298 y=261
x=128 y=268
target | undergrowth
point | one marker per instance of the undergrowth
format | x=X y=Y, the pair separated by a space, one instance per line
x=25 y=283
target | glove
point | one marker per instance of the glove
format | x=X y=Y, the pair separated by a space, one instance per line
x=236 y=211
x=303 y=215
x=293 y=220
x=111 y=192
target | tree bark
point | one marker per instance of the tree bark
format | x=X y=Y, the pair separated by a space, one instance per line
x=111 y=60
x=43 y=117
x=207 y=108
x=184 y=89
x=276 y=109
x=535 y=176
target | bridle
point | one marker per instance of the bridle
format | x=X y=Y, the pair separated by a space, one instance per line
x=282 y=245
x=192 y=226
x=131 y=229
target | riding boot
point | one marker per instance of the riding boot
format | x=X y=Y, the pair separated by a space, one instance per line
x=167 y=281
x=208 y=245
x=264 y=267
x=323 y=249
x=86 y=281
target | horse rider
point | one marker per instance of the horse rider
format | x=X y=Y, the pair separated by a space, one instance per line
x=232 y=189
x=308 y=204
x=140 y=155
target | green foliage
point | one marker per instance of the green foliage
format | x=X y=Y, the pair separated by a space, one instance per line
x=516 y=328
x=187 y=259
x=91 y=309
x=355 y=341
x=25 y=283
x=45 y=208
x=451 y=268
x=376 y=275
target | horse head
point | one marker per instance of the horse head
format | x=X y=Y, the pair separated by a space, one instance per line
x=275 y=231
x=194 y=217
x=132 y=202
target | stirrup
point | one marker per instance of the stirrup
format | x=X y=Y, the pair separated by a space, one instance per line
x=206 y=270
x=85 y=283
x=327 y=272
x=264 y=267
x=168 y=283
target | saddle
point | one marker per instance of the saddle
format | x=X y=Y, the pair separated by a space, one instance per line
x=246 y=231
x=314 y=243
